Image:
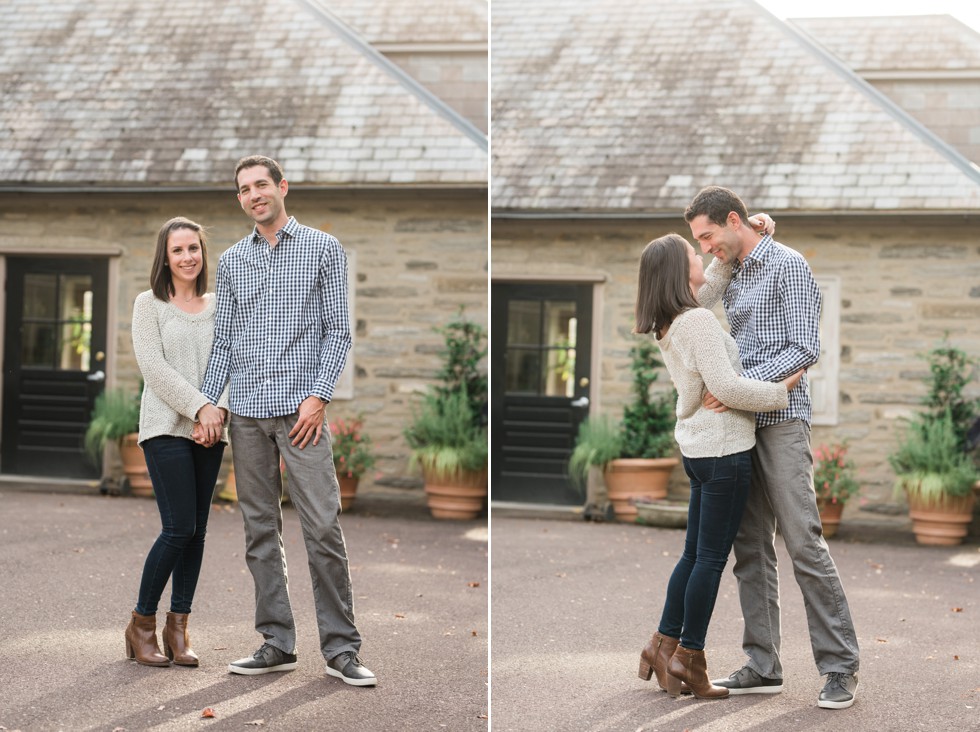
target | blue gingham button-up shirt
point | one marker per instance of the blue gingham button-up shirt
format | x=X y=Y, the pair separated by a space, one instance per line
x=773 y=308
x=282 y=330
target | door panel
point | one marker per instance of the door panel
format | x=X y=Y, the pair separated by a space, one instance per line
x=54 y=349
x=541 y=350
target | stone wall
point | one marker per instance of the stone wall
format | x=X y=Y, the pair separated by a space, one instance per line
x=420 y=255
x=905 y=280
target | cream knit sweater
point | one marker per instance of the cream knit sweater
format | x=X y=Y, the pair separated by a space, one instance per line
x=172 y=349
x=700 y=356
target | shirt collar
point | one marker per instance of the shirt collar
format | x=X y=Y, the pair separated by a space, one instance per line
x=288 y=230
x=759 y=252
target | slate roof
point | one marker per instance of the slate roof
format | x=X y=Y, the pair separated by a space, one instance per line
x=899 y=43
x=124 y=93
x=603 y=106
x=433 y=21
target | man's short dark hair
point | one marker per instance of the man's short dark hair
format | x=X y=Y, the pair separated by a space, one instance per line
x=716 y=203
x=274 y=168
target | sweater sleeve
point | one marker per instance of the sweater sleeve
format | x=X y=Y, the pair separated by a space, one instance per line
x=706 y=344
x=162 y=378
x=716 y=279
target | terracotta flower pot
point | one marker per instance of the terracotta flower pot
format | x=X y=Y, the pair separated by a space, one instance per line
x=459 y=497
x=633 y=478
x=830 y=514
x=941 y=523
x=134 y=466
x=348 y=489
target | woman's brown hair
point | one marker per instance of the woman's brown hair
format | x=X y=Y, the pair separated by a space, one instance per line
x=161 y=282
x=664 y=290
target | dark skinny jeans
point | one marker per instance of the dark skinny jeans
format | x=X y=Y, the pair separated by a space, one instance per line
x=719 y=489
x=183 y=475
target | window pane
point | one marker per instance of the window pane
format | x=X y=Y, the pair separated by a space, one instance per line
x=38 y=345
x=76 y=332
x=523 y=322
x=522 y=374
x=40 y=294
x=560 y=373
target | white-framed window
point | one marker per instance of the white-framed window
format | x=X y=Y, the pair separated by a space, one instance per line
x=824 y=376
x=344 y=389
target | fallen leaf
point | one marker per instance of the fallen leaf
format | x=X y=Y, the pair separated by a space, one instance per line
x=957 y=609
x=472 y=584
x=482 y=716
x=399 y=615
x=208 y=713
x=881 y=640
x=80 y=550
x=473 y=633
x=956 y=658
x=220 y=648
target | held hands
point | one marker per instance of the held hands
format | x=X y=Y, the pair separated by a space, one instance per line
x=310 y=422
x=762 y=223
x=210 y=422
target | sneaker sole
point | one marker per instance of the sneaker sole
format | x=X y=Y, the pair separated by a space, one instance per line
x=353 y=682
x=836 y=705
x=752 y=689
x=232 y=668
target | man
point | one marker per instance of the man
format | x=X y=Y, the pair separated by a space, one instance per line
x=773 y=308
x=282 y=335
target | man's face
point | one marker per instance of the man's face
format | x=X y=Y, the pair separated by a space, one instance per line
x=722 y=242
x=260 y=198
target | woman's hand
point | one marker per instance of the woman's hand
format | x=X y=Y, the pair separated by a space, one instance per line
x=762 y=223
x=210 y=422
x=792 y=381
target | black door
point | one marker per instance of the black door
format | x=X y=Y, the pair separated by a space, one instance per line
x=541 y=346
x=54 y=362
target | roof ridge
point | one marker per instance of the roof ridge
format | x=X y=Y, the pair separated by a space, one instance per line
x=428 y=98
x=900 y=115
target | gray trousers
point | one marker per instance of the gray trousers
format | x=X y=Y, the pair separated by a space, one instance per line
x=782 y=494
x=315 y=493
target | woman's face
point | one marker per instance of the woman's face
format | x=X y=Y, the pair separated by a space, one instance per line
x=184 y=255
x=697 y=268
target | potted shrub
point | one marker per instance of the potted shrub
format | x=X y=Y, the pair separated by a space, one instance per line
x=353 y=456
x=448 y=433
x=834 y=483
x=933 y=464
x=115 y=421
x=637 y=456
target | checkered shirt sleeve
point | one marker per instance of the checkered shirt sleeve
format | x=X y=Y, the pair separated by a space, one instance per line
x=282 y=327
x=773 y=308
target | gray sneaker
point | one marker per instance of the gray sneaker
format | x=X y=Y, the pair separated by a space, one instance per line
x=264 y=661
x=839 y=691
x=747 y=681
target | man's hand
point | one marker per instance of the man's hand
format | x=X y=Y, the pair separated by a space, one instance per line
x=709 y=401
x=310 y=422
x=210 y=422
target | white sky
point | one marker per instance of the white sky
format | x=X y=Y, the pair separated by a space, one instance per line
x=967 y=11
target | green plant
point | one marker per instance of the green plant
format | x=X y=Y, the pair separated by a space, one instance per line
x=951 y=371
x=353 y=453
x=833 y=474
x=647 y=428
x=598 y=441
x=116 y=413
x=444 y=438
x=448 y=432
x=929 y=462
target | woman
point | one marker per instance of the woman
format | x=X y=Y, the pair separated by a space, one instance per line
x=699 y=356
x=173 y=325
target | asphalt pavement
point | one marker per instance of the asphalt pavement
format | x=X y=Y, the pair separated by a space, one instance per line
x=70 y=565
x=574 y=602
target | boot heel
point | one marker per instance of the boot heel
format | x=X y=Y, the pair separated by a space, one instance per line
x=672 y=685
x=167 y=651
x=130 y=654
x=646 y=670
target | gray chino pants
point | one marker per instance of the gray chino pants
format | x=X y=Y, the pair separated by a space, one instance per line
x=315 y=493
x=782 y=494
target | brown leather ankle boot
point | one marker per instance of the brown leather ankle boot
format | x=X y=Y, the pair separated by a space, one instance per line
x=177 y=641
x=691 y=667
x=655 y=657
x=141 y=641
